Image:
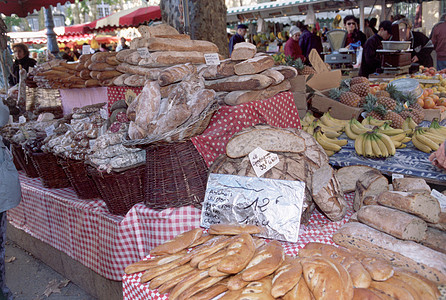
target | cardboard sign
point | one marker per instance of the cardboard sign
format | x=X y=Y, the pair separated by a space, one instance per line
x=86 y=49
x=440 y=197
x=395 y=175
x=317 y=62
x=276 y=205
x=262 y=160
x=144 y=52
x=212 y=59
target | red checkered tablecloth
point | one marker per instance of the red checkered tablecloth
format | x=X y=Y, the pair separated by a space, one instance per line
x=87 y=232
x=278 y=111
x=319 y=229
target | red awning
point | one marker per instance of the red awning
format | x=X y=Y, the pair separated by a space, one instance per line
x=127 y=18
x=22 y=7
x=77 y=29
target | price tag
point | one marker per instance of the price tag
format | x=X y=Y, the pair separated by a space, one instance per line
x=50 y=130
x=212 y=59
x=440 y=197
x=130 y=95
x=395 y=175
x=91 y=143
x=86 y=49
x=22 y=120
x=104 y=113
x=275 y=205
x=262 y=160
x=144 y=52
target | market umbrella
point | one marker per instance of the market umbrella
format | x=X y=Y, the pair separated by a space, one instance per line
x=23 y=7
x=127 y=18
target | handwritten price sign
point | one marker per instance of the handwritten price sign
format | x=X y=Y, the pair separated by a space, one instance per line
x=276 y=205
x=262 y=160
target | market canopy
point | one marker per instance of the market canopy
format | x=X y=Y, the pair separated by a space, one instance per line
x=22 y=8
x=127 y=18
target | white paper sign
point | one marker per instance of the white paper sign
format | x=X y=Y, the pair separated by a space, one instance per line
x=395 y=175
x=50 y=130
x=86 y=49
x=144 y=52
x=262 y=160
x=104 y=113
x=274 y=204
x=440 y=197
x=212 y=59
x=22 y=120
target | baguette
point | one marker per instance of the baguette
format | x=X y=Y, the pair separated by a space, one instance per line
x=234 y=229
x=202 y=239
x=101 y=57
x=224 y=69
x=135 y=80
x=91 y=82
x=407 y=254
x=169 y=284
x=410 y=185
x=212 y=260
x=101 y=66
x=394 y=222
x=180 y=242
x=211 y=292
x=266 y=137
x=239 y=83
x=94 y=74
x=168 y=44
x=121 y=55
x=421 y=204
x=119 y=81
x=158 y=270
x=171 y=58
x=148 y=73
x=243 y=51
x=85 y=74
x=187 y=282
x=254 y=65
x=147 y=264
x=212 y=246
x=112 y=60
x=267 y=259
x=108 y=74
x=175 y=74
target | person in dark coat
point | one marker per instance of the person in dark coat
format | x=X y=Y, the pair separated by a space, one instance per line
x=372 y=25
x=23 y=60
x=353 y=33
x=371 y=60
x=306 y=40
x=238 y=37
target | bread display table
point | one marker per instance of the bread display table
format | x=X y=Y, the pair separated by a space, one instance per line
x=319 y=229
x=87 y=232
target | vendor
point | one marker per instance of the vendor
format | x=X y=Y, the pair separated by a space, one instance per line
x=353 y=33
x=371 y=60
x=421 y=45
x=238 y=37
x=22 y=59
x=292 y=47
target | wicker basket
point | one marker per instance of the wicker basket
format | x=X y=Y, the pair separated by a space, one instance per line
x=24 y=160
x=50 y=172
x=120 y=190
x=76 y=172
x=176 y=175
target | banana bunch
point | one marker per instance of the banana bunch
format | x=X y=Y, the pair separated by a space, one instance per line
x=332 y=122
x=307 y=120
x=390 y=131
x=426 y=141
x=409 y=125
x=354 y=128
x=369 y=120
x=374 y=144
x=437 y=129
x=330 y=145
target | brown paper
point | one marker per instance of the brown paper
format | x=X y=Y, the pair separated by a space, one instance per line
x=317 y=62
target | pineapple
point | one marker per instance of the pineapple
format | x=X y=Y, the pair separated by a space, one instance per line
x=350 y=99
x=417 y=115
x=387 y=102
x=397 y=120
x=362 y=89
x=405 y=114
x=394 y=93
x=303 y=69
x=381 y=93
x=372 y=109
x=359 y=79
x=416 y=109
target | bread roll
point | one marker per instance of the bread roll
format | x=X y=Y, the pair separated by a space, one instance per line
x=243 y=51
x=410 y=185
x=266 y=137
x=254 y=65
x=267 y=259
x=394 y=222
x=421 y=204
x=180 y=242
x=286 y=277
x=415 y=257
x=239 y=253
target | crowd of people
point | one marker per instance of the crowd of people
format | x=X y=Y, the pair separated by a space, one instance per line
x=300 y=41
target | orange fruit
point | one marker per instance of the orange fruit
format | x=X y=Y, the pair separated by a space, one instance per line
x=420 y=101
x=429 y=103
x=435 y=97
x=382 y=86
x=442 y=102
x=429 y=91
x=440 y=107
x=425 y=93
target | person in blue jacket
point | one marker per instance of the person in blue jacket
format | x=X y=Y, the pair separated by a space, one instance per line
x=238 y=37
x=10 y=195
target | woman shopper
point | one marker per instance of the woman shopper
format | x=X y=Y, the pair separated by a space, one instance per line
x=23 y=60
x=292 y=47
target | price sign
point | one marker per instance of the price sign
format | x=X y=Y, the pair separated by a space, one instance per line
x=440 y=197
x=86 y=49
x=275 y=205
x=212 y=59
x=144 y=53
x=104 y=113
x=262 y=160
x=22 y=120
x=395 y=175
x=50 y=130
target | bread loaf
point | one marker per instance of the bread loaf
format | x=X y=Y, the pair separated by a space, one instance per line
x=149 y=102
x=170 y=284
x=180 y=242
x=260 y=289
x=212 y=260
x=348 y=176
x=171 y=58
x=254 y=65
x=175 y=74
x=266 y=261
x=370 y=183
x=421 y=204
x=111 y=60
x=167 y=44
x=148 y=73
x=169 y=275
x=108 y=74
x=135 y=80
x=275 y=75
x=435 y=239
x=327 y=193
x=200 y=286
x=211 y=292
x=156 y=30
x=327 y=279
x=101 y=66
x=224 y=69
x=407 y=254
x=273 y=90
x=238 y=255
x=365 y=294
x=91 y=82
x=143 y=265
x=119 y=81
x=102 y=56
x=239 y=83
x=266 y=137
x=394 y=222
x=425 y=288
x=121 y=55
x=240 y=97
x=84 y=58
x=299 y=292
x=287 y=71
x=392 y=290
x=234 y=229
x=286 y=277
x=410 y=185
x=186 y=283
x=243 y=51
x=85 y=74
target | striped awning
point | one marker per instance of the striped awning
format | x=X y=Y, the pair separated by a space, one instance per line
x=269 y=5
